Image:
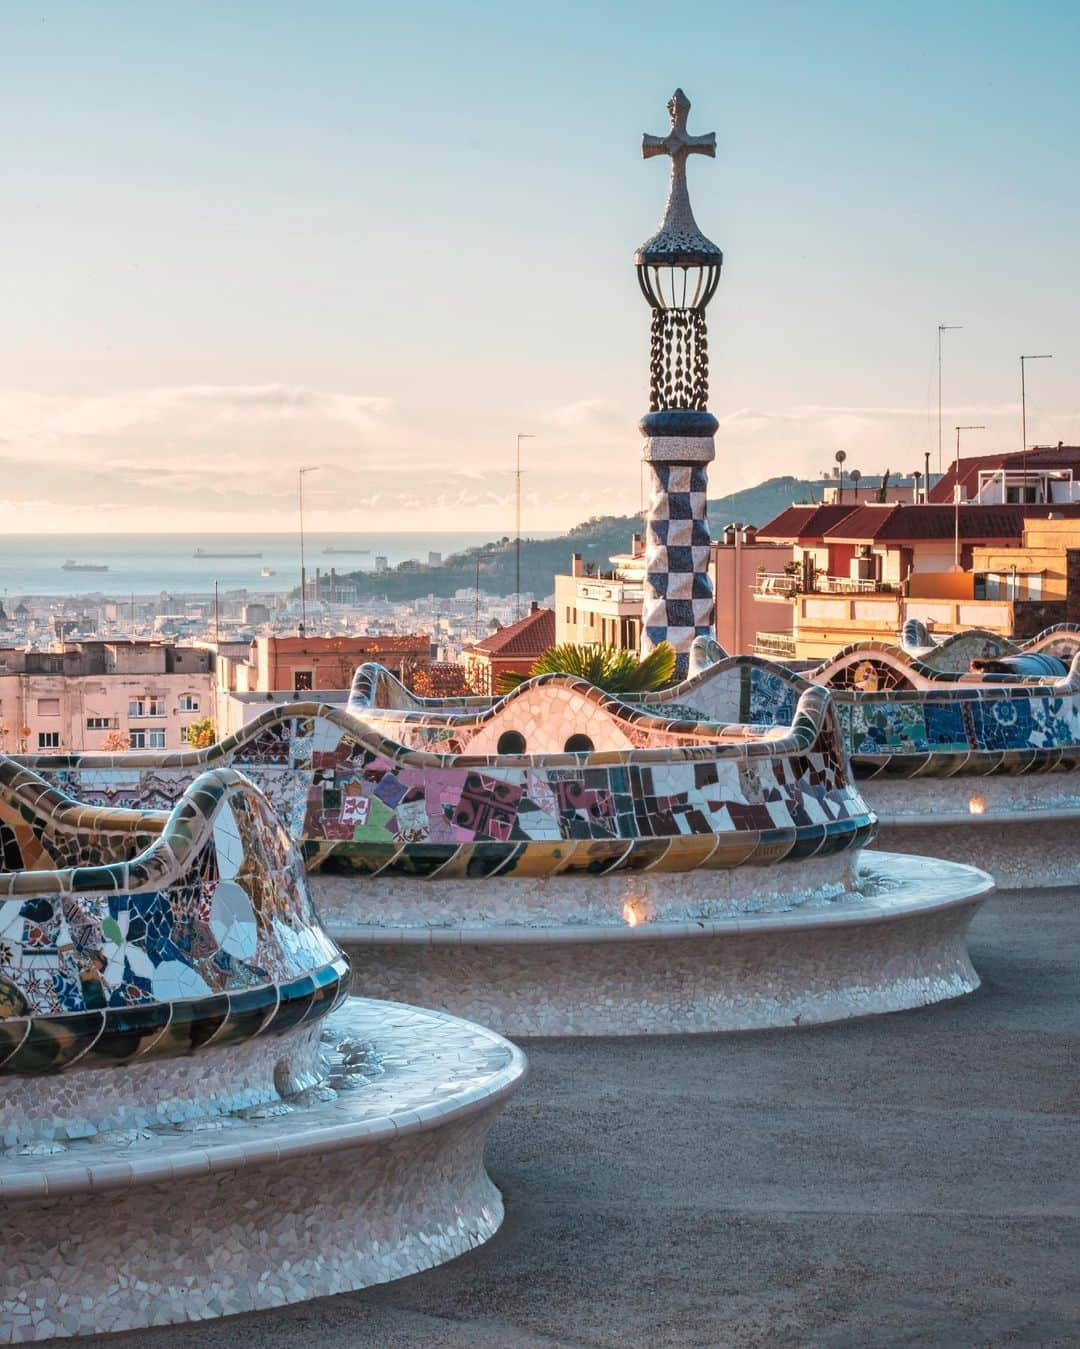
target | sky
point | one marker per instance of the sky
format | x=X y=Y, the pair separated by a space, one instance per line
x=384 y=239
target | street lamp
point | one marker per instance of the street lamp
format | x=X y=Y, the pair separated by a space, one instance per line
x=521 y=435
x=1023 y=409
x=312 y=468
x=941 y=328
x=956 y=494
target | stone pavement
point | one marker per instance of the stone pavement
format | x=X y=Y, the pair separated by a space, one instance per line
x=907 y=1180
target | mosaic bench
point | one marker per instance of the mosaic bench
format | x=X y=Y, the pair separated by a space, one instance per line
x=1020 y=737
x=679 y=875
x=669 y=795
x=178 y=1059
x=955 y=763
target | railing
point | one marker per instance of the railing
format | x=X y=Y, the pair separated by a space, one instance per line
x=774 y=644
x=776 y=585
x=620 y=592
x=784 y=586
x=847 y=585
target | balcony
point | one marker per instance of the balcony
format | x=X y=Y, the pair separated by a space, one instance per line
x=779 y=645
x=616 y=591
x=785 y=586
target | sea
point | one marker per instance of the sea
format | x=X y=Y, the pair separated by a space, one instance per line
x=146 y=564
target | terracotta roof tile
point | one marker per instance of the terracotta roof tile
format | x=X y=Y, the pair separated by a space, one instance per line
x=900 y=523
x=804 y=522
x=526 y=639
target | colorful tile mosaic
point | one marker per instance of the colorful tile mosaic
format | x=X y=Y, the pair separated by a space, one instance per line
x=127 y=935
x=370 y=803
x=913 y=720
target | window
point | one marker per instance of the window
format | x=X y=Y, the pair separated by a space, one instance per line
x=511 y=742
x=101 y=723
x=144 y=739
x=189 y=702
x=48 y=740
x=303 y=680
x=151 y=706
x=1022 y=495
x=48 y=707
x=578 y=744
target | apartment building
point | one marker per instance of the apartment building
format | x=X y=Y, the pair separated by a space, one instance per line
x=603 y=608
x=860 y=572
x=102 y=695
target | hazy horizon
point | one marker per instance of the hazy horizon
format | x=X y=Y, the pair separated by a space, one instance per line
x=385 y=241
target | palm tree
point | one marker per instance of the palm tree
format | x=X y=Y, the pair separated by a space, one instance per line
x=609 y=669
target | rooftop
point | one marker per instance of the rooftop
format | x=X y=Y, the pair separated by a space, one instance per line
x=527 y=639
x=897 y=524
x=805 y=523
x=966 y=470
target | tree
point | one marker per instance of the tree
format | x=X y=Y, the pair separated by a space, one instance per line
x=443 y=679
x=201 y=734
x=609 y=669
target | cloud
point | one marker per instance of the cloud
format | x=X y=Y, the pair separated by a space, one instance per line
x=183 y=410
x=224 y=456
x=589 y=415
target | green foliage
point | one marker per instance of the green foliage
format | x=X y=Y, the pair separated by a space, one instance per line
x=613 y=671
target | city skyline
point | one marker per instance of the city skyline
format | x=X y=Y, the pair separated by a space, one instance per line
x=252 y=240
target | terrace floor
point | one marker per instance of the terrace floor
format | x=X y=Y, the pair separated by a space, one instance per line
x=909 y=1180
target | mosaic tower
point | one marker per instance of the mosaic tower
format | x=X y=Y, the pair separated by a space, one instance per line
x=678 y=270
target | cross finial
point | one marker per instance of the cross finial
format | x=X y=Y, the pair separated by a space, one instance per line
x=678 y=237
x=678 y=143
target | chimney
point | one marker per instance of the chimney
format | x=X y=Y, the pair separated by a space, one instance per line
x=637 y=546
x=534 y=607
x=575 y=564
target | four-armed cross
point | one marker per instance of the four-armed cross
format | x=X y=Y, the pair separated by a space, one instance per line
x=678 y=229
x=678 y=143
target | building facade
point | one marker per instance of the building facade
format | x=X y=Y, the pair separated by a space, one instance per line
x=101 y=696
x=859 y=572
x=303 y=665
x=513 y=649
x=604 y=608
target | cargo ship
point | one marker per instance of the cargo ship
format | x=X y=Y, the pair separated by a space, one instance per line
x=70 y=565
x=202 y=552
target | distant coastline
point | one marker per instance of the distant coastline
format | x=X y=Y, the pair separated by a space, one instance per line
x=146 y=564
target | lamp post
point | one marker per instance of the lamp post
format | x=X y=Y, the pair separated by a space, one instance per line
x=956 y=494
x=941 y=328
x=312 y=468
x=1023 y=409
x=678 y=270
x=522 y=435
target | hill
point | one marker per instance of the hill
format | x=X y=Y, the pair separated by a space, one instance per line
x=596 y=539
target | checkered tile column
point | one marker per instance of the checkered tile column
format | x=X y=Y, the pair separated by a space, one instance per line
x=678 y=601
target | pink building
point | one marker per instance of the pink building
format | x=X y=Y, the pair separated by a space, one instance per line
x=102 y=695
